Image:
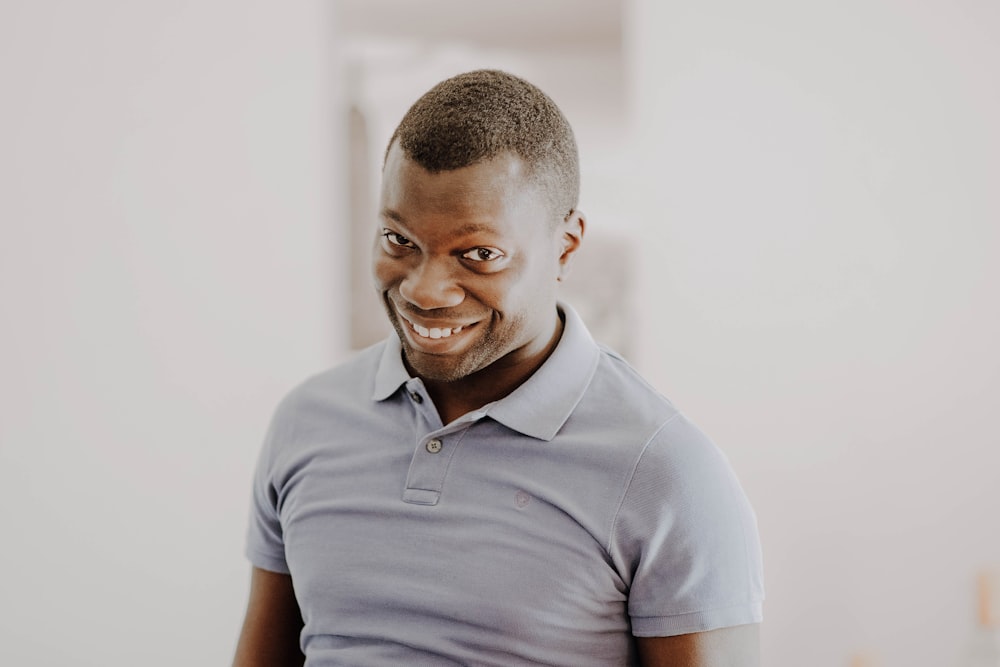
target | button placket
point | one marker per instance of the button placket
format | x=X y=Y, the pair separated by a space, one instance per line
x=430 y=464
x=416 y=393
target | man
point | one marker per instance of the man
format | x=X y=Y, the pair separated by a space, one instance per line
x=489 y=486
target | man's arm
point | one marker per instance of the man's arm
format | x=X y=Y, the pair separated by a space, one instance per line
x=737 y=646
x=271 y=629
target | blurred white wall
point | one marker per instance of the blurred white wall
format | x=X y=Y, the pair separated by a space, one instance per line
x=818 y=192
x=168 y=267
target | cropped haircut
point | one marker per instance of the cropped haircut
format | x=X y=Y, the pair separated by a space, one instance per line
x=481 y=115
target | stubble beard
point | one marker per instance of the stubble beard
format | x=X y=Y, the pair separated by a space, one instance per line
x=446 y=367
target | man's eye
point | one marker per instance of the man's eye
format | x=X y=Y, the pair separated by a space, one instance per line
x=483 y=254
x=397 y=239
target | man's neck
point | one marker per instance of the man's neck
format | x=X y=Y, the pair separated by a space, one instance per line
x=454 y=399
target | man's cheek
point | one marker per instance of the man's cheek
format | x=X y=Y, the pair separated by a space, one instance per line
x=384 y=274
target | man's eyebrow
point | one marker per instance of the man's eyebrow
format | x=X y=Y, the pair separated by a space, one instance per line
x=473 y=228
x=389 y=214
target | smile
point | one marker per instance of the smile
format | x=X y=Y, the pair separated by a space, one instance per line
x=433 y=333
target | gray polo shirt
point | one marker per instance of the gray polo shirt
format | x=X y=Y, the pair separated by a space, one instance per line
x=545 y=528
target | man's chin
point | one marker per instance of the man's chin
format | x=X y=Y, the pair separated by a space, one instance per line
x=437 y=368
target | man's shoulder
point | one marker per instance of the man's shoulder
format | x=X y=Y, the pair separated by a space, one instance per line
x=620 y=387
x=335 y=400
x=349 y=380
x=667 y=439
x=618 y=406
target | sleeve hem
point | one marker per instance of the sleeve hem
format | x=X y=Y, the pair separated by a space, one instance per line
x=267 y=562
x=700 y=621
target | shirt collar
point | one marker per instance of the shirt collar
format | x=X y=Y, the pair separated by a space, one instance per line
x=391 y=373
x=542 y=404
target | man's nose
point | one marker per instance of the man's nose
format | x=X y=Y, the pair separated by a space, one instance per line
x=431 y=285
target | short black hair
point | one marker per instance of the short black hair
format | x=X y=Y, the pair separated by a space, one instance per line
x=484 y=114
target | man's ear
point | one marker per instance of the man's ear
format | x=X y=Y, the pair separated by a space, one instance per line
x=571 y=231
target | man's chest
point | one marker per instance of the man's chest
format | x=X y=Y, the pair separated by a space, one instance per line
x=438 y=538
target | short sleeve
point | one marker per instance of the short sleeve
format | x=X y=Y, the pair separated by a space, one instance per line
x=265 y=547
x=685 y=538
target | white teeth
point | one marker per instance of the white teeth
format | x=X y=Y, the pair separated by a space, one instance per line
x=434 y=332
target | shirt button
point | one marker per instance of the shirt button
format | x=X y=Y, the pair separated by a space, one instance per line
x=417 y=398
x=433 y=446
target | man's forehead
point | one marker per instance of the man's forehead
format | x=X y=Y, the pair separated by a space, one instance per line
x=511 y=163
x=500 y=177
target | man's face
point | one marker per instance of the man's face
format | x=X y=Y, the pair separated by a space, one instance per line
x=467 y=263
